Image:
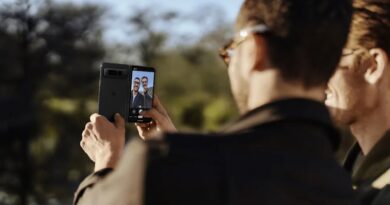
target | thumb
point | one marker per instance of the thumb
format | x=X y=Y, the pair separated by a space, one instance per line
x=163 y=121
x=154 y=114
x=119 y=121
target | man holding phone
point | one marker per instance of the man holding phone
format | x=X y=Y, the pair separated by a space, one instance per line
x=278 y=152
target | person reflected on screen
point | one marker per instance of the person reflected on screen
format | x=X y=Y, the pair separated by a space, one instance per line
x=137 y=99
x=147 y=92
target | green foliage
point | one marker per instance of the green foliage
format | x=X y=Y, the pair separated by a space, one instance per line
x=51 y=54
x=189 y=79
x=49 y=84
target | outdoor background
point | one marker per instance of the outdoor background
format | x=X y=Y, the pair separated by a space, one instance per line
x=50 y=51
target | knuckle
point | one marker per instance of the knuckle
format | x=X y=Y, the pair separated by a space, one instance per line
x=88 y=125
x=82 y=143
x=99 y=118
x=91 y=126
x=86 y=134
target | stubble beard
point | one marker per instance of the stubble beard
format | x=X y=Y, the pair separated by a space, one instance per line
x=343 y=117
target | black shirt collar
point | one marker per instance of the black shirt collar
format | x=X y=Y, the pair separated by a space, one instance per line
x=292 y=109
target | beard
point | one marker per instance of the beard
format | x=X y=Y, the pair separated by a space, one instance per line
x=342 y=117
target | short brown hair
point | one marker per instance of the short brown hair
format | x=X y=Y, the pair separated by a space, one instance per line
x=370 y=24
x=305 y=37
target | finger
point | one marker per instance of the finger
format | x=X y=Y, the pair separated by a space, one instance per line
x=96 y=118
x=88 y=126
x=119 y=121
x=162 y=121
x=152 y=124
x=83 y=134
x=143 y=125
x=141 y=132
x=156 y=101
x=96 y=137
x=154 y=114
x=93 y=117
x=82 y=144
x=87 y=133
x=159 y=107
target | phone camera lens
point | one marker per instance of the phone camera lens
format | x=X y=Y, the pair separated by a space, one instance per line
x=112 y=73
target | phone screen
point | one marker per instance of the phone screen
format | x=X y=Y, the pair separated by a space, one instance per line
x=141 y=92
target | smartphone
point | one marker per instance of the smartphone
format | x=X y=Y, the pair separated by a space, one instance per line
x=114 y=90
x=127 y=90
x=142 y=84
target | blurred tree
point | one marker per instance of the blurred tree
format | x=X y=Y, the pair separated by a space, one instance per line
x=151 y=41
x=190 y=77
x=49 y=53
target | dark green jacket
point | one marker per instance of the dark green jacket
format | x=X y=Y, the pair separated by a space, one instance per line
x=371 y=173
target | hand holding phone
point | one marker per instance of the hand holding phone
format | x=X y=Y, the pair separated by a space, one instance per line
x=161 y=121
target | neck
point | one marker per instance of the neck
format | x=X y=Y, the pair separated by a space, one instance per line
x=135 y=92
x=268 y=86
x=371 y=126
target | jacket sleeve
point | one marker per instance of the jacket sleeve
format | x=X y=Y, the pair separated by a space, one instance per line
x=382 y=197
x=122 y=186
x=89 y=182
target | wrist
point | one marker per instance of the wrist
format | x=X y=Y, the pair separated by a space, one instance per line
x=107 y=160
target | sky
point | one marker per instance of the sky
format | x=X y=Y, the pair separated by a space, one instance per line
x=185 y=30
x=122 y=8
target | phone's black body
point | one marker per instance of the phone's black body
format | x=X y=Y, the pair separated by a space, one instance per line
x=127 y=90
x=113 y=90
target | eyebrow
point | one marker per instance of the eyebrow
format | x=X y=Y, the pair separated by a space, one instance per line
x=350 y=51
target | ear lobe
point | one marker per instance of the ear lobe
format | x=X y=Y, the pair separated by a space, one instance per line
x=380 y=61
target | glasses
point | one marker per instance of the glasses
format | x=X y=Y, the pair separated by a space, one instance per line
x=350 y=51
x=227 y=51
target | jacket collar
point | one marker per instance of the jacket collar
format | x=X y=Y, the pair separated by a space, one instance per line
x=292 y=109
x=375 y=163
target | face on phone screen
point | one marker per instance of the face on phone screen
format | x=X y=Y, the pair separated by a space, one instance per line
x=141 y=96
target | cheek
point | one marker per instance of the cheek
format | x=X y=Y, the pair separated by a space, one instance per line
x=248 y=56
x=353 y=95
x=233 y=73
x=342 y=91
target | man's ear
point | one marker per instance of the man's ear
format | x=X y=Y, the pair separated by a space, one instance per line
x=380 y=61
x=261 y=61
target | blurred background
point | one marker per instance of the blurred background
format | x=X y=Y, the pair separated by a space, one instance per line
x=50 y=52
